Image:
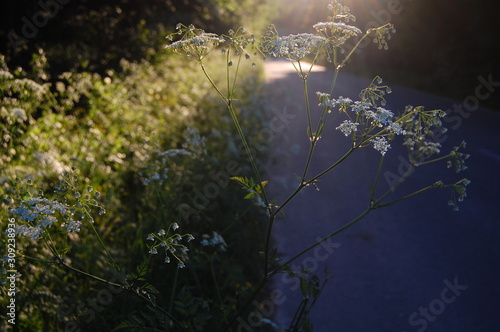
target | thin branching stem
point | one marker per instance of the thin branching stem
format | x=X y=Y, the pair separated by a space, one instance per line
x=232 y=112
x=323 y=239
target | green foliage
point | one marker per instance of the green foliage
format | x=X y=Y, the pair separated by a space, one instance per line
x=146 y=146
x=250 y=186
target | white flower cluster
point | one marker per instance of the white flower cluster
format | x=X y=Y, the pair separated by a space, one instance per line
x=72 y=225
x=348 y=127
x=171 y=245
x=194 y=41
x=202 y=40
x=295 y=47
x=337 y=28
x=39 y=212
x=368 y=117
x=420 y=128
x=381 y=144
x=325 y=101
x=215 y=240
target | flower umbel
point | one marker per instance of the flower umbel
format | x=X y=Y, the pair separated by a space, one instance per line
x=194 y=42
x=215 y=240
x=380 y=144
x=37 y=214
x=171 y=244
x=292 y=47
x=348 y=127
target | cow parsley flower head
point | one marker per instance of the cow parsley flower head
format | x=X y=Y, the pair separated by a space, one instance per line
x=337 y=28
x=214 y=240
x=170 y=243
x=194 y=42
x=337 y=33
x=72 y=225
x=32 y=232
x=39 y=212
x=380 y=144
x=348 y=127
x=325 y=101
x=361 y=107
x=69 y=209
x=294 y=47
x=380 y=116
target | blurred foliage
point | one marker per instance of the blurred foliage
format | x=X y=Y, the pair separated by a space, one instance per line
x=95 y=35
x=94 y=90
x=115 y=129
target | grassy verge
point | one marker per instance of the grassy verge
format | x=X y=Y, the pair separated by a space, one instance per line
x=159 y=147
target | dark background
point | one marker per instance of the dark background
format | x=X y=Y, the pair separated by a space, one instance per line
x=440 y=46
x=94 y=35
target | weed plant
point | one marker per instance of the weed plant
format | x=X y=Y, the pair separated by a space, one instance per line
x=161 y=248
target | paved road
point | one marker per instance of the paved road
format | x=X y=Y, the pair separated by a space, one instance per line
x=416 y=266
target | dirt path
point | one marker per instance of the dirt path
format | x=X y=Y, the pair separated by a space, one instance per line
x=391 y=270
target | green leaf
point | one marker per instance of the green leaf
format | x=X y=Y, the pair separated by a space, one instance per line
x=250 y=195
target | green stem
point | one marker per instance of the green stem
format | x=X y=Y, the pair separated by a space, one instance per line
x=226 y=101
x=327 y=170
x=433 y=160
x=339 y=230
x=174 y=286
x=229 y=104
x=236 y=72
x=272 y=218
x=309 y=181
x=308 y=108
x=91 y=276
x=248 y=151
x=432 y=186
x=111 y=261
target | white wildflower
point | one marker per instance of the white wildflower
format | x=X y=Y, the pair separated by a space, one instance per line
x=381 y=145
x=199 y=44
x=215 y=240
x=337 y=33
x=72 y=225
x=337 y=27
x=295 y=47
x=380 y=117
x=361 y=107
x=47 y=221
x=396 y=128
x=343 y=100
x=29 y=231
x=348 y=127
x=325 y=101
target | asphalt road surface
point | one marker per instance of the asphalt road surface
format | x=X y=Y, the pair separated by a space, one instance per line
x=414 y=266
